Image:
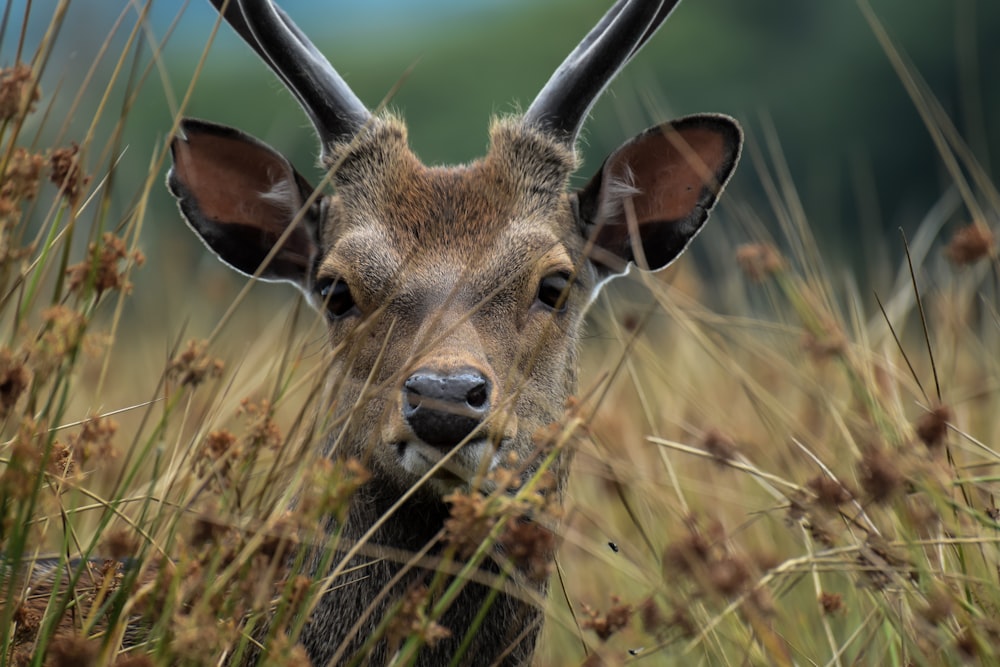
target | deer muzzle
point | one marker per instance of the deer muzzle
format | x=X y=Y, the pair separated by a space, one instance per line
x=443 y=409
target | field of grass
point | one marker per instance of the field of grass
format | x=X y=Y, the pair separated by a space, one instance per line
x=801 y=473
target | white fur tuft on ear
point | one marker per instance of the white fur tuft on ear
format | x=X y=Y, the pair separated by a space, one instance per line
x=282 y=196
x=617 y=189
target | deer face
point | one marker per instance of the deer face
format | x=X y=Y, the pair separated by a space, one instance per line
x=454 y=295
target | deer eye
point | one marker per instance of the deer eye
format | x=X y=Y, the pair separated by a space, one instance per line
x=336 y=296
x=554 y=290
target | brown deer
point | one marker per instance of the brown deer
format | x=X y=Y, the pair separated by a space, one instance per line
x=458 y=290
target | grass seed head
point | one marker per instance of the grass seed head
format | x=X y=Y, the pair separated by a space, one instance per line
x=263 y=431
x=14 y=380
x=412 y=619
x=66 y=173
x=62 y=335
x=94 y=440
x=102 y=268
x=696 y=549
x=134 y=660
x=616 y=618
x=469 y=523
x=193 y=365
x=970 y=244
x=651 y=616
x=932 y=427
x=24 y=463
x=531 y=546
x=719 y=445
x=28 y=621
x=828 y=342
x=831 y=603
x=830 y=493
x=879 y=473
x=72 y=652
x=216 y=457
x=939 y=606
x=281 y=650
x=17 y=91
x=19 y=184
x=759 y=261
x=119 y=544
x=728 y=575
x=328 y=489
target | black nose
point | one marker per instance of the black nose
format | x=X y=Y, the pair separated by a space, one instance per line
x=444 y=408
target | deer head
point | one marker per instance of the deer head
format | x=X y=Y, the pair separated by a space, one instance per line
x=458 y=291
x=454 y=296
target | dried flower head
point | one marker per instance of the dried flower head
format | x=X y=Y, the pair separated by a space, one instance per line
x=728 y=575
x=831 y=603
x=469 y=523
x=262 y=431
x=67 y=174
x=651 y=616
x=970 y=244
x=20 y=183
x=531 y=546
x=719 y=445
x=94 y=439
x=102 y=268
x=211 y=532
x=23 y=460
x=134 y=660
x=881 y=564
x=17 y=91
x=329 y=487
x=193 y=365
x=281 y=650
x=879 y=474
x=969 y=644
x=616 y=618
x=932 y=427
x=939 y=606
x=825 y=343
x=759 y=261
x=62 y=334
x=28 y=620
x=830 y=493
x=72 y=652
x=14 y=380
x=698 y=548
x=119 y=544
x=411 y=619
x=195 y=636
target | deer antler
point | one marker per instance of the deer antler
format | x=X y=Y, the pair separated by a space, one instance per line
x=563 y=103
x=336 y=112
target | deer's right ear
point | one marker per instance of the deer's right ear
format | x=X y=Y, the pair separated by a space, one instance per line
x=240 y=195
x=653 y=195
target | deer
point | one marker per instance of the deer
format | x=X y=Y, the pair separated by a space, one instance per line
x=497 y=254
x=459 y=291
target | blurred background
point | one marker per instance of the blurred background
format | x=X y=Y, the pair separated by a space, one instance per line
x=809 y=81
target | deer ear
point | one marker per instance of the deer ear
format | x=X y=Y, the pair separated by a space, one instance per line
x=653 y=195
x=239 y=196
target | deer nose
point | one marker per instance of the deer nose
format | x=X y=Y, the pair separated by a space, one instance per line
x=444 y=408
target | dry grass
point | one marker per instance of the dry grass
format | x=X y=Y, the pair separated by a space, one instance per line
x=806 y=479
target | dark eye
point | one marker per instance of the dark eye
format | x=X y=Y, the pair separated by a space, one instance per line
x=554 y=290
x=336 y=296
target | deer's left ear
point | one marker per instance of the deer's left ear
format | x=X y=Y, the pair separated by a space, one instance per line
x=653 y=195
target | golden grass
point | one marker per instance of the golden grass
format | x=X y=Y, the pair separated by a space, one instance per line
x=805 y=479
